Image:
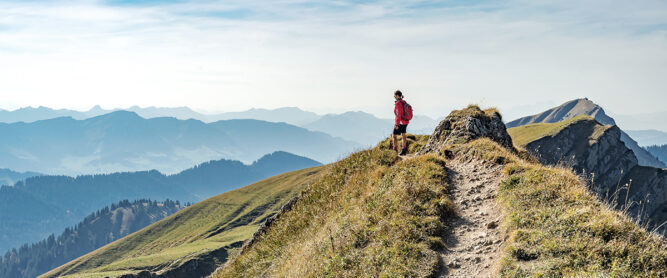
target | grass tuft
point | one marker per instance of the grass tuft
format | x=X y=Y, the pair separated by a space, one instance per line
x=415 y=143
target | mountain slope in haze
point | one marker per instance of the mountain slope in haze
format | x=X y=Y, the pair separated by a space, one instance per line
x=32 y=114
x=36 y=207
x=658 y=151
x=96 y=230
x=9 y=177
x=364 y=127
x=596 y=151
x=196 y=240
x=378 y=215
x=584 y=106
x=648 y=137
x=651 y=120
x=290 y=115
x=358 y=126
x=123 y=141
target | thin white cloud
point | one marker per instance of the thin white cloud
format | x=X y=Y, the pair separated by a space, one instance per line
x=333 y=57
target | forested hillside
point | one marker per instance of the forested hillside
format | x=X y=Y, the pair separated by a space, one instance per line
x=96 y=230
x=39 y=206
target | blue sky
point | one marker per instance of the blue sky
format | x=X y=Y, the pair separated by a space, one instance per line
x=521 y=56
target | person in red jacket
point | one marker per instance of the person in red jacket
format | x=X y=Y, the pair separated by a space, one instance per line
x=401 y=124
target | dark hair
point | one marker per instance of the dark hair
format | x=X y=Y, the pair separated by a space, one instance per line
x=398 y=93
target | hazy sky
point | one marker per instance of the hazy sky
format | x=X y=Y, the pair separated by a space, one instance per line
x=521 y=56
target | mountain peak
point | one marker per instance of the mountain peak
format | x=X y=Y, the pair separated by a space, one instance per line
x=283 y=157
x=118 y=115
x=584 y=106
x=566 y=111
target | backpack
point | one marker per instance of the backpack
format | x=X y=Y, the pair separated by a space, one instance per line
x=407 y=110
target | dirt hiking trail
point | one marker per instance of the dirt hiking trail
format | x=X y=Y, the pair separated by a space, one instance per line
x=473 y=239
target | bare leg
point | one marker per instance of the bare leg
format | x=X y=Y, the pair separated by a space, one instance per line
x=405 y=140
x=395 y=143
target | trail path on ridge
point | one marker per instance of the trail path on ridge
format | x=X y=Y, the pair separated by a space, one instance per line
x=473 y=240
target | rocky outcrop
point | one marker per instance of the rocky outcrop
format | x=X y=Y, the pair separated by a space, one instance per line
x=468 y=124
x=585 y=106
x=597 y=153
x=602 y=157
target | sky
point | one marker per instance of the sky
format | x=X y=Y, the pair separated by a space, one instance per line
x=334 y=56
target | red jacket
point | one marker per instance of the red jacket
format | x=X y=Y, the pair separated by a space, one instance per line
x=398 y=111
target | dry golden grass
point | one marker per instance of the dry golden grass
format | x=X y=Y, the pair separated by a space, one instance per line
x=371 y=216
x=557 y=228
x=376 y=216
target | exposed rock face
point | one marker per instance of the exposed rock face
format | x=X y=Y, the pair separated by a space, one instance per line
x=597 y=152
x=603 y=158
x=585 y=106
x=468 y=124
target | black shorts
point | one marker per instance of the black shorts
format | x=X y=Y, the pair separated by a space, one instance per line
x=400 y=130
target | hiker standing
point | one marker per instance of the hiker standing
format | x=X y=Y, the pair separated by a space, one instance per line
x=403 y=112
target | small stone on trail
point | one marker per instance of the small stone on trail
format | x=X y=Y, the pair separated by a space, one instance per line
x=453 y=265
x=492 y=225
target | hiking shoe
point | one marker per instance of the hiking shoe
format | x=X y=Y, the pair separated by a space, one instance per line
x=404 y=151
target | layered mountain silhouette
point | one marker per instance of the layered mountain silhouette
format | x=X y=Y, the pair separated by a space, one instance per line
x=9 y=177
x=584 y=106
x=658 y=151
x=124 y=141
x=96 y=230
x=355 y=126
x=365 y=128
x=38 y=206
x=290 y=115
x=648 y=137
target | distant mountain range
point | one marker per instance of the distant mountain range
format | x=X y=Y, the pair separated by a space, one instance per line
x=584 y=106
x=643 y=121
x=124 y=141
x=356 y=126
x=96 y=230
x=659 y=151
x=9 y=177
x=649 y=137
x=32 y=209
x=365 y=128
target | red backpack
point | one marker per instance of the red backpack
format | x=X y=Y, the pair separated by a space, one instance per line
x=407 y=110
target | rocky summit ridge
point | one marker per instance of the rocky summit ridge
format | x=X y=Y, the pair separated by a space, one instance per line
x=584 y=106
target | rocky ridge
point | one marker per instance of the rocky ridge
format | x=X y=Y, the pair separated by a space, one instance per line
x=596 y=152
x=585 y=106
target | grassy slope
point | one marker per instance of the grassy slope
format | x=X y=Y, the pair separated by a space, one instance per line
x=376 y=216
x=371 y=215
x=522 y=135
x=211 y=224
x=556 y=227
